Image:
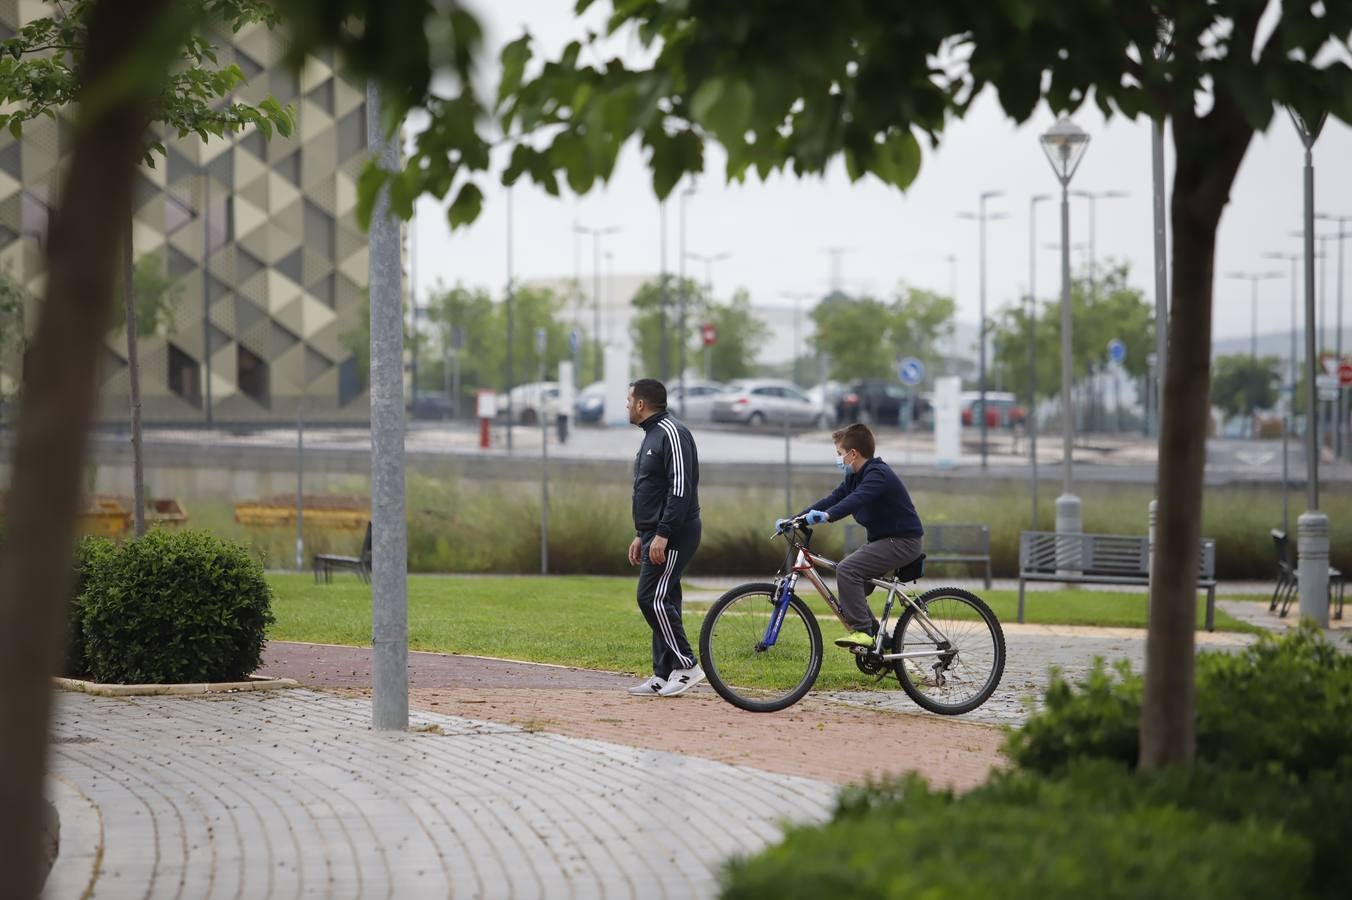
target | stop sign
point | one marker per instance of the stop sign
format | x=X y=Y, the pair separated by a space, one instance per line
x=1345 y=375
x=709 y=333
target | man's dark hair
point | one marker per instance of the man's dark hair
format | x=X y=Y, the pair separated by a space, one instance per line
x=652 y=392
x=855 y=437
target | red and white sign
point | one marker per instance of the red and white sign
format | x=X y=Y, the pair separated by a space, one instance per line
x=1345 y=375
x=709 y=333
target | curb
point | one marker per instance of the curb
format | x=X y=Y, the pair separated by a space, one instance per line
x=255 y=683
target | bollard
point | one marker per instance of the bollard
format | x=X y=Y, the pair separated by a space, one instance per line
x=1312 y=550
x=486 y=403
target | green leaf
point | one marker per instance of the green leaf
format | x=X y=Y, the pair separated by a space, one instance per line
x=467 y=206
x=725 y=110
x=898 y=159
x=514 y=58
x=16 y=127
x=369 y=183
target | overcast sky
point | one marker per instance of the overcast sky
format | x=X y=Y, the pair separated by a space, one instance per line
x=777 y=233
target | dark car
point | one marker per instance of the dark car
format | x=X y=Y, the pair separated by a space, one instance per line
x=878 y=402
x=431 y=405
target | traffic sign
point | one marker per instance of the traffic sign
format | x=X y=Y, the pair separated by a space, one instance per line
x=1327 y=385
x=911 y=371
x=1345 y=375
x=1117 y=351
x=709 y=333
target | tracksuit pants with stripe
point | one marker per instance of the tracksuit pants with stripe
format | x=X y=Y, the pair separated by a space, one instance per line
x=659 y=598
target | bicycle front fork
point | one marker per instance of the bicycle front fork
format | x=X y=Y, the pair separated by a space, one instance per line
x=777 y=617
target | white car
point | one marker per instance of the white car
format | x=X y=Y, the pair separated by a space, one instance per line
x=765 y=401
x=527 y=400
x=699 y=399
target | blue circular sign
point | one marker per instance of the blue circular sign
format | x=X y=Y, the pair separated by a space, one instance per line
x=1117 y=351
x=574 y=339
x=911 y=371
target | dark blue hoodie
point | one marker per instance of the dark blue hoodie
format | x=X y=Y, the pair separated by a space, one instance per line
x=877 y=499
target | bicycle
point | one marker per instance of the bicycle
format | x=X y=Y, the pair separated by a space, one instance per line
x=762 y=648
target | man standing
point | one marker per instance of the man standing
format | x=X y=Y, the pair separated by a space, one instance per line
x=666 y=534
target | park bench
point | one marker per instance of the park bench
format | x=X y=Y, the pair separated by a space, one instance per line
x=326 y=563
x=947 y=542
x=1103 y=559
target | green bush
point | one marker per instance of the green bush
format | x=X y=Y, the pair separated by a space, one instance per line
x=175 y=607
x=1100 y=833
x=88 y=553
x=1283 y=703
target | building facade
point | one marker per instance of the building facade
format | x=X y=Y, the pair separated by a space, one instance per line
x=258 y=239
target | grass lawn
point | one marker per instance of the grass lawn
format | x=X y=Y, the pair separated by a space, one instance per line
x=593 y=622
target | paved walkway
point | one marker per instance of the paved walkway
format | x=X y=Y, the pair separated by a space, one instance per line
x=290 y=794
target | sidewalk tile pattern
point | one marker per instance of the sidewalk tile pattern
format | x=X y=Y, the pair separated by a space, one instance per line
x=292 y=795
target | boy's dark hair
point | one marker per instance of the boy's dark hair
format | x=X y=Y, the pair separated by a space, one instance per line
x=652 y=392
x=855 y=437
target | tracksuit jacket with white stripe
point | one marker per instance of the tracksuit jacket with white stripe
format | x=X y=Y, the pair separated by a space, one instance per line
x=666 y=477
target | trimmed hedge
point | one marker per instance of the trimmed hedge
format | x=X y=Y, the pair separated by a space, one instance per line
x=88 y=553
x=1284 y=703
x=174 y=607
x=1100 y=832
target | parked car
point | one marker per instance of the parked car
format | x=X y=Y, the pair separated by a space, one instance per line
x=1002 y=409
x=826 y=397
x=431 y=405
x=590 y=405
x=699 y=399
x=764 y=401
x=877 y=401
x=529 y=399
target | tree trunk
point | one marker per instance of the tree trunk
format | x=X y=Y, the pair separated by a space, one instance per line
x=1208 y=153
x=58 y=406
x=138 y=471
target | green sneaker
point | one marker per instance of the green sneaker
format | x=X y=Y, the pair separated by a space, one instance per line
x=855 y=639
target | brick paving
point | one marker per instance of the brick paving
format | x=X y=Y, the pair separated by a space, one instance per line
x=290 y=794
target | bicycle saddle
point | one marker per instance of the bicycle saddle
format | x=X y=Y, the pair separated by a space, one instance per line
x=912 y=570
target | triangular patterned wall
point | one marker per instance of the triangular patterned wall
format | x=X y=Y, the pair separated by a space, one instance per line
x=286 y=268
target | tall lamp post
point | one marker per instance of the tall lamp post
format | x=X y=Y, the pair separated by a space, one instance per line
x=596 y=235
x=798 y=297
x=1032 y=341
x=1093 y=197
x=1288 y=425
x=1312 y=542
x=1065 y=144
x=981 y=217
x=708 y=259
x=1253 y=278
x=1338 y=324
x=681 y=333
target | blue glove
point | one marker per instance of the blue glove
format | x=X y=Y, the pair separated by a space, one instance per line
x=780 y=523
x=815 y=517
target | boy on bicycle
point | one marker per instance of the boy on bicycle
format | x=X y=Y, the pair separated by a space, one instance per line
x=877 y=499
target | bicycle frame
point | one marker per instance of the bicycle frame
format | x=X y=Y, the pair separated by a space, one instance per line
x=806 y=563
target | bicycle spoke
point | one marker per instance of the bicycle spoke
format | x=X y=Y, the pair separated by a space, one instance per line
x=972 y=660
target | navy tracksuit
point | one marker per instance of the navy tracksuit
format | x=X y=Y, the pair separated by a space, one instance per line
x=666 y=503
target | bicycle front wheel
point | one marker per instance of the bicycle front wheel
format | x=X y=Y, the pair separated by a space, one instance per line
x=959 y=647
x=741 y=667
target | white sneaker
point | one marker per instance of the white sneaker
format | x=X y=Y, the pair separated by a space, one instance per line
x=650 y=688
x=680 y=681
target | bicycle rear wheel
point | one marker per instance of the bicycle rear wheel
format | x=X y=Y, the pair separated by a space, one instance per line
x=972 y=652
x=741 y=668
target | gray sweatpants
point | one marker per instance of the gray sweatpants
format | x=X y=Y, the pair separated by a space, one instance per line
x=873 y=560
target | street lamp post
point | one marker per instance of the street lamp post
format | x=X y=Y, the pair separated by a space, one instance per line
x=1092 y=197
x=981 y=217
x=708 y=259
x=1253 y=278
x=1289 y=424
x=797 y=297
x=596 y=235
x=1065 y=144
x=1338 y=324
x=1312 y=543
x=682 y=334
x=1031 y=417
